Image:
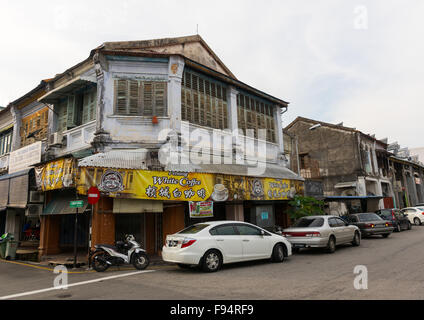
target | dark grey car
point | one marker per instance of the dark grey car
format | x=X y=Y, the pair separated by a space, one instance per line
x=370 y=224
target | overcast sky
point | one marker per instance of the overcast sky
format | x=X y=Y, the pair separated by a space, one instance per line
x=356 y=62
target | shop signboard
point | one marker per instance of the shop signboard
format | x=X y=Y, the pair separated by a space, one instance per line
x=180 y=186
x=56 y=174
x=25 y=157
x=202 y=209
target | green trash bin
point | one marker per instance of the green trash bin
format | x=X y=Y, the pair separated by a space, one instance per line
x=11 y=248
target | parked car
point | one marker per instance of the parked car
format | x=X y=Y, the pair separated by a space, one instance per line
x=322 y=232
x=399 y=219
x=371 y=224
x=415 y=214
x=212 y=244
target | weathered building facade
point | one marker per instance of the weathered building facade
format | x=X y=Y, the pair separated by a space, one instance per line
x=352 y=165
x=158 y=126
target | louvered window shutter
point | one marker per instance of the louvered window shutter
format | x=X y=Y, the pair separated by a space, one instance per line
x=71 y=112
x=121 y=93
x=160 y=99
x=62 y=116
x=133 y=97
x=147 y=98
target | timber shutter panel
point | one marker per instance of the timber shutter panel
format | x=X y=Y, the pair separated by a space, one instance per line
x=140 y=98
x=203 y=101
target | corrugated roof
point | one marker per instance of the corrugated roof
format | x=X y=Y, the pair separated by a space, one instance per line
x=136 y=159
x=118 y=159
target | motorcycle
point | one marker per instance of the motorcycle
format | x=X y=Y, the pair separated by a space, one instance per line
x=125 y=252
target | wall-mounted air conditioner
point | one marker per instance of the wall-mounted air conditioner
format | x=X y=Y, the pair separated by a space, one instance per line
x=34 y=210
x=36 y=197
x=55 y=139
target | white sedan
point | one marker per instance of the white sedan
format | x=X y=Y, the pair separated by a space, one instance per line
x=212 y=244
x=415 y=215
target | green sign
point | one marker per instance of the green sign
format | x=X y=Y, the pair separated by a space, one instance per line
x=76 y=204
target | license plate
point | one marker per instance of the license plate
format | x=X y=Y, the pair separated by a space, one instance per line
x=298 y=246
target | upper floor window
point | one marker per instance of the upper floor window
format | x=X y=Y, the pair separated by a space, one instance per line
x=140 y=98
x=77 y=109
x=5 y=141
x=203 y=101
x=255 y=114
x=34 y=127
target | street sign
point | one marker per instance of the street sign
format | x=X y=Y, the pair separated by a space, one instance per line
x=76 y=204
x=93 y=195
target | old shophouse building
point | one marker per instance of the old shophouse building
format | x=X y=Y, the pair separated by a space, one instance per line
x=168 y=135
x=358 y=172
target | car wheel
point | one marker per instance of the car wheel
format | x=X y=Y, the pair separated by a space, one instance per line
x=356 y=239
x=278 y=253
x=212 y=261
x=409 y=225
x=417 y=221
x=331 y=246
x=386 y=235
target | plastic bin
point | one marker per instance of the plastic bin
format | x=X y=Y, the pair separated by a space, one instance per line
x=4 y=239
x=11 y=247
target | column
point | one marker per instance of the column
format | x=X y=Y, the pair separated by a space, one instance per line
x=103 y=223
x=175 y=72
x=17 y=121
x=279 y=128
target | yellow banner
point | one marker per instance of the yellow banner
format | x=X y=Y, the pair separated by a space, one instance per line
x=56 y=175
x=163 y=185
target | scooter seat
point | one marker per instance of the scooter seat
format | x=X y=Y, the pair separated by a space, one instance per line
x=108 y=246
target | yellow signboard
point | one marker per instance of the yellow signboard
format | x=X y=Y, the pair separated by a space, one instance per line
x=56 y=175
x=163 y=185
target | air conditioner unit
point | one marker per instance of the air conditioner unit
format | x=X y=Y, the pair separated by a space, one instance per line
x=34 y=210
x=55 y=139
x=36 y=196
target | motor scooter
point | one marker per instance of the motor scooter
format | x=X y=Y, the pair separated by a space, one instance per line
x=125 y=252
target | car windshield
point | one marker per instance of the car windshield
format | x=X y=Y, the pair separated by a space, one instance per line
x=421 y=208
x=368 y=217
x=386 y=213
x=194 y=228
x=309 y=223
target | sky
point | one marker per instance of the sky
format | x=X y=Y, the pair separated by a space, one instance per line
x=356 y=62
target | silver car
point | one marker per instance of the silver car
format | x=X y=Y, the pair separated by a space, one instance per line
x=322 y=232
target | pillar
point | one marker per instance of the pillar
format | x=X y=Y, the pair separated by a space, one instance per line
x=49 y=235
x=103 y=223
x=175 y=71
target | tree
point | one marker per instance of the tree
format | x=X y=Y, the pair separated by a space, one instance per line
x=302 y=206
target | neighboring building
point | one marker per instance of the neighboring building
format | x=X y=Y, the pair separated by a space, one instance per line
x=23 y=139
x=353 y=166
x=118 y=118
x=407 y=176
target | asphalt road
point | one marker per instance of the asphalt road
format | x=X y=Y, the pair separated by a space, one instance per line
x=395 y=271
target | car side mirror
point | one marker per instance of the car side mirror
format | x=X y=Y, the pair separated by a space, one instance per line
x=262 y=233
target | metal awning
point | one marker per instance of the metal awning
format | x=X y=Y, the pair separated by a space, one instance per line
x=344 y=198
x=117 y=159
x=345 y=185
x=60 y=205
x=64 y=90
x=136 y=159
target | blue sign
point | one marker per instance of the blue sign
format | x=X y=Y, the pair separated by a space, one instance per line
x=264 y=215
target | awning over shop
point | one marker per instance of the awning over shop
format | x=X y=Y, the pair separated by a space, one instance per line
x=117 y=159
x=136 y=159
x=344 y=198
x=64 y=90
x=14 y=189
x=341 y=185
x=136 y=206
x=61 y=205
